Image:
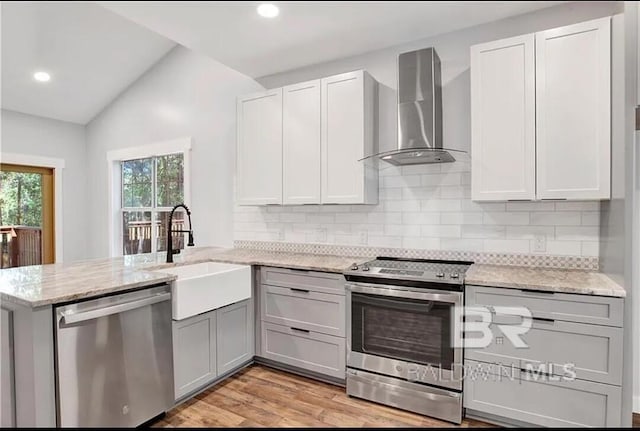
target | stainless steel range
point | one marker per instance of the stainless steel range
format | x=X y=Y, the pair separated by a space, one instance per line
x=403 y=335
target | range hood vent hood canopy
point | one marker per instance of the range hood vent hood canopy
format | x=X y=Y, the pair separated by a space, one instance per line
x=419 y=111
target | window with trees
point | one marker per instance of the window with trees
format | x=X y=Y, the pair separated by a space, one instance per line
x=151 y=187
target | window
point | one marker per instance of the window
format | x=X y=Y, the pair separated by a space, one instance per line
x=150 y=188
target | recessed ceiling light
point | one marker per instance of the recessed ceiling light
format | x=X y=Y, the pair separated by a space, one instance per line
x=41 y=76
x=268 y=10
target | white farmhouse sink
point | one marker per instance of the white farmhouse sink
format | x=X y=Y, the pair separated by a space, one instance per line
x=202 y=287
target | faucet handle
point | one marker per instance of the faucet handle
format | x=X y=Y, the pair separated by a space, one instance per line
x=190 y=243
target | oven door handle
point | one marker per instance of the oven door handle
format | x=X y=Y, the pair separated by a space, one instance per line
x=397 y=292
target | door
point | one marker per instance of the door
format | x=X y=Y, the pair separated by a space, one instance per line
x=301 y=143
x=405 y=334
x=573 y=93
x=343 y=138
x=194 y=353
x=113 y=359
x=259 y=149
x=503 y=120
x=235 y=342
x=26 y=215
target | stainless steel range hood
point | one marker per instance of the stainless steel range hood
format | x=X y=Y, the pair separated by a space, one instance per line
x=419 y=111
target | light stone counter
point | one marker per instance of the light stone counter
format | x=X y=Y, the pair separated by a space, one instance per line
x=550 y=280
x=39 y=285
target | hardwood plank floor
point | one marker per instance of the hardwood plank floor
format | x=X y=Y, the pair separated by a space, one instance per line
x=260 y=396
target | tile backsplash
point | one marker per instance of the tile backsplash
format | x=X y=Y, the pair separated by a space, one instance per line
x=429 y=207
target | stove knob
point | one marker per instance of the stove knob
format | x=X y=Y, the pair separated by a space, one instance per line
x=454 y=275
x=440 y=274
x=365 y=268
x=354 y=267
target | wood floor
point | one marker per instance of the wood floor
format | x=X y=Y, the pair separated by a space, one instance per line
x=263 y=397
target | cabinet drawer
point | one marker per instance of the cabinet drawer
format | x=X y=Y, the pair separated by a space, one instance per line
x=594 y=352
x=308 y=280
x=319 y=312
x=599 y=310
x=312 y=351
x=517 y=395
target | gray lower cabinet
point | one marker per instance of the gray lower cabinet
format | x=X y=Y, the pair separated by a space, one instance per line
x=302 y=320
x=569 y=372
x=7 y=396
x=235 y=335
x=194 y=353
x=528 y=398
x=305 y=349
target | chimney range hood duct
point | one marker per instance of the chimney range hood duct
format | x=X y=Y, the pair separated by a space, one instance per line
x=419 y=111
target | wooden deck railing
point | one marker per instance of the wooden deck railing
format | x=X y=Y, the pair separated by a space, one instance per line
x=137 y=236
x=20 y=246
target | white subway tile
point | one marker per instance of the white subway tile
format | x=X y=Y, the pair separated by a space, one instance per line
x=293 y=217
x=514 y=218
x=455 y=192
x=462 y=244
x=577 y=233
x=393 y=229
x=420 y=193
x=440 y=231
x=470 y=206
x=412 y=205
x=385 y=218
x=482 y=231
x=388 y=194
x=578 y=206
x=421 y=169
x=421 y=243
x=460 y=218
x=506 y=245
x=530 y=206
x=441 y=205
x=346 y=239
x=591 y=218
x=301 y=208
x=565 y=248
x=407 y=180
x=457 y=166
x=452 y=179
x=352 y=218
x=465 y=178
x=557 y=218
x=385 y=241
x=324 y=218
x=421 y=218
x=530 y=232
x=590 y=248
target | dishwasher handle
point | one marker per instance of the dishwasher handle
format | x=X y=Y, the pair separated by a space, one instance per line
x=69 y=317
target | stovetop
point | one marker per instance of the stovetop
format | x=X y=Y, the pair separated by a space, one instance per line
x=391 y=270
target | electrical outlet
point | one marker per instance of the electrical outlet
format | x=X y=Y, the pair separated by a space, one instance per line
x=321 y=234
x=363 y=237
x=540 y=243
x=281 y=234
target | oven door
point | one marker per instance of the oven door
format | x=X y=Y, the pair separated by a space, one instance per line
x=405 y=332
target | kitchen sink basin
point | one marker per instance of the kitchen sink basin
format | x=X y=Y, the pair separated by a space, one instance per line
x=202 y=287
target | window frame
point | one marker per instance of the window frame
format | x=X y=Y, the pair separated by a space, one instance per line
x=116 y=207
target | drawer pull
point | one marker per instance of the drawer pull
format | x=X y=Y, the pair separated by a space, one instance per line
x=543 y=320
x=294 y=289
x=306 y=331
x=299 y=270
x=532 y=291
x=531 y=372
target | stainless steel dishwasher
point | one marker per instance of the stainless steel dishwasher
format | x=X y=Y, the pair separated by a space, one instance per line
x=114 y=359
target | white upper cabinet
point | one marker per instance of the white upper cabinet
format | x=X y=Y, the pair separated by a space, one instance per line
x=348 y=103
x=503 y=119
x=541 y=115
x=573 y=91
x=259 y=149
x=301 y=143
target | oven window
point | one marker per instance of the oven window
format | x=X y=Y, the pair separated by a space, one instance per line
x=406 y=329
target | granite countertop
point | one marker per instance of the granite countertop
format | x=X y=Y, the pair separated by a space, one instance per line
x=39 y=285
x=549 y=280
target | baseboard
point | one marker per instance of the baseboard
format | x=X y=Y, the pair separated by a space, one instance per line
x=636 y=404
x=299 y=371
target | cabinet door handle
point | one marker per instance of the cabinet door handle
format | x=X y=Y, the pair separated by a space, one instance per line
x=533 y=291
x=306 y=331
x=543 y=320
x=295 y=289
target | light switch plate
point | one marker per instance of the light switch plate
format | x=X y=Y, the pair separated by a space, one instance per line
x=540 y=243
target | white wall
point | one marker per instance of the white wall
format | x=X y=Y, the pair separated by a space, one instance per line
x=429 y=207
x=185 y=94
x=37 y=136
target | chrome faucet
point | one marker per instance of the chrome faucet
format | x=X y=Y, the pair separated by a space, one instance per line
x=170 y=250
